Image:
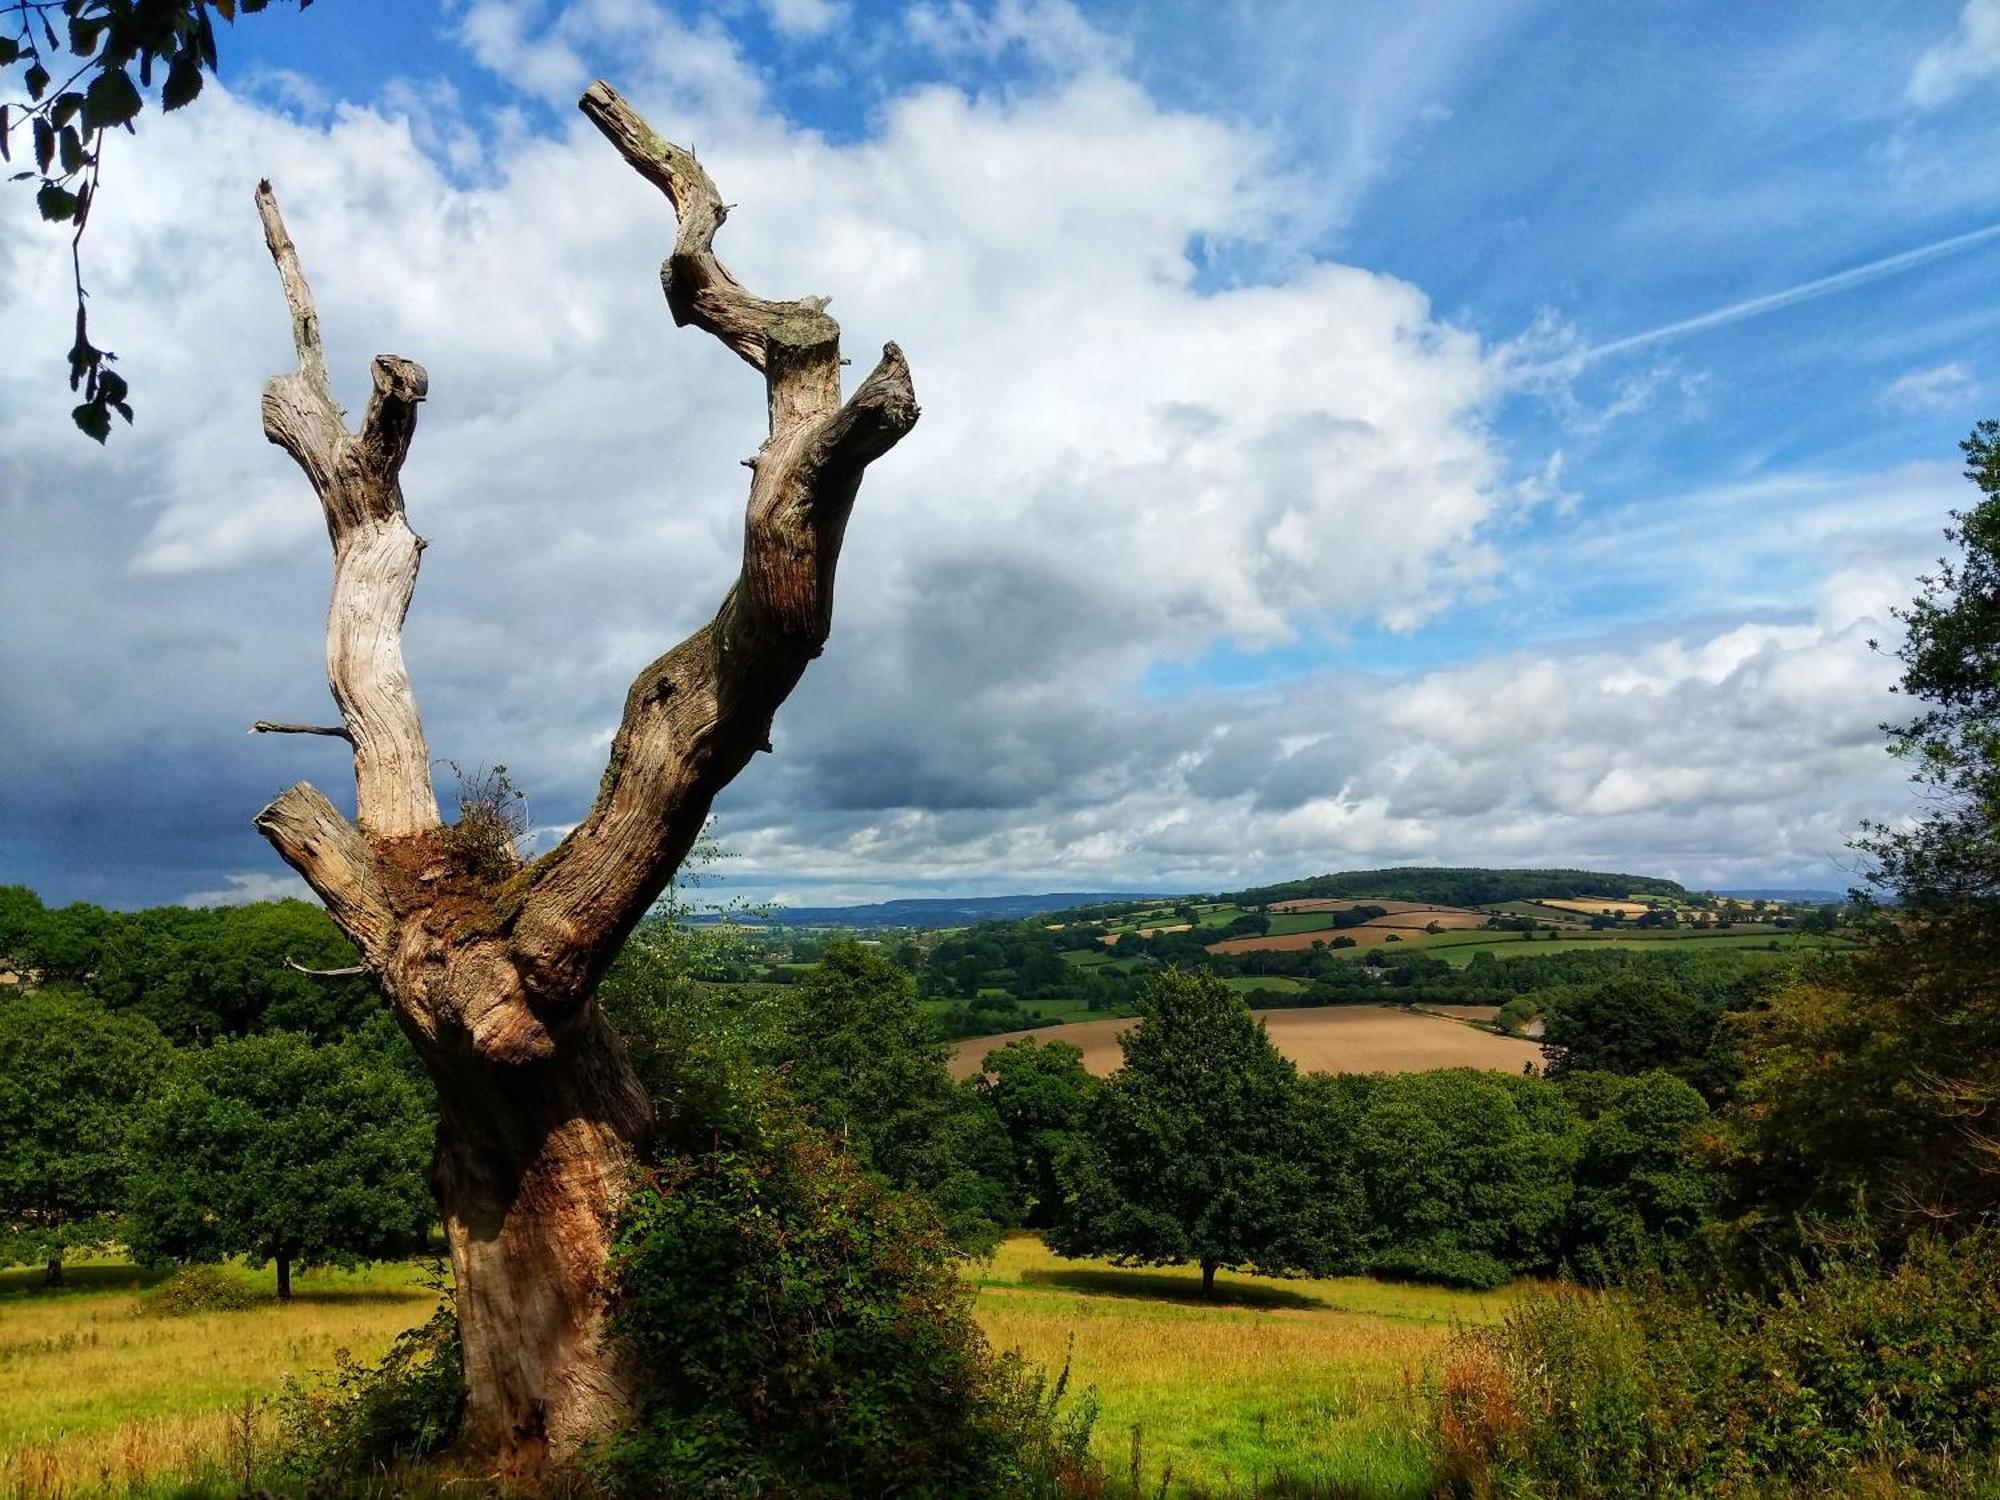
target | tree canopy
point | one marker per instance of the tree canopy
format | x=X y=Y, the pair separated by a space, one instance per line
x=1189 y=1156
x=71 y=1083
x=276 y=1149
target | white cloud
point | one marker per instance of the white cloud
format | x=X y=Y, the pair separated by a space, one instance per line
x=1941 y=388
x=1053 y=34
x=1971 y=56
x=804 y=17
x=1117 y=469
x=257 y=885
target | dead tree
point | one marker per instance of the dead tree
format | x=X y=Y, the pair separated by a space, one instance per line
x=492 y=971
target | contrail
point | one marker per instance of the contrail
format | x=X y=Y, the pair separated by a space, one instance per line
x=1839 y=281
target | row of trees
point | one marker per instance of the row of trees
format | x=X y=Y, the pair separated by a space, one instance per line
x=274 y=1146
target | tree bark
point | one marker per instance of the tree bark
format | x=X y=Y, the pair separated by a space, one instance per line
x=284 y=1260
x=1208 y=1278
x=490 y=965
x=53 y=1275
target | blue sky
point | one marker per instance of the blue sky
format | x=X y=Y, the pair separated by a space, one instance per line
x=1463 y=433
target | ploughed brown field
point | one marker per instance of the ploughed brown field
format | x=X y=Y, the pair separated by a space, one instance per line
x=1321 y=1039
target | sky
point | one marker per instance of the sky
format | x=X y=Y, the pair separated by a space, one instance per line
x=1380 y=433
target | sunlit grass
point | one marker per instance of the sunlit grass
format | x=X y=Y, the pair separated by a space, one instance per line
x=1319 y=1381
x=1315 y=1380
x=93 y=1394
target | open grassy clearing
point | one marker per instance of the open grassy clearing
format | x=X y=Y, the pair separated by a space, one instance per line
x=1323 y=1039
x=1315 y=1380
x=93 y=1393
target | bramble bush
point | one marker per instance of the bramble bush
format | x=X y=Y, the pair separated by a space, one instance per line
x=1851 y=1376
x=804 y=1331
x=364 y=1418
x=193 y=1290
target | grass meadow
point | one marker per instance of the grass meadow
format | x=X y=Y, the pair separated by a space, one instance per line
x=96 y=1397
x=1321 y=1382
x=1316 y=1380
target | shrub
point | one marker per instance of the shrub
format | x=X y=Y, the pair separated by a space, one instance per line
x=198 y=1289
x=366 y=1416
x=1853 y=1375
x=805 y=1332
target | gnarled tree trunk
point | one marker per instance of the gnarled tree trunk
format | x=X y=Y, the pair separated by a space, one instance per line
x=491 y=966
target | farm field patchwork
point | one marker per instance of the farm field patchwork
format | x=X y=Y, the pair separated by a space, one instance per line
x=1324 y=1039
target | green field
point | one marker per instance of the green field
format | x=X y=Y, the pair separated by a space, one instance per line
x=1307 y=1379
x=1245 y=984
x=1461 y=954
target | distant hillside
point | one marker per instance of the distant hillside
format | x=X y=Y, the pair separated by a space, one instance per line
x=1461 y=887
x=945 y=911
x=1802 y=896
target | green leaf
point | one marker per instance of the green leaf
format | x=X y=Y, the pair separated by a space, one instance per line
x=111 y=99
x=56 y=203
x=183 y=83
x=93 y=419
x=45 y=144
x=36 y=78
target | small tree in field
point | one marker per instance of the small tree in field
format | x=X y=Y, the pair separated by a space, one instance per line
x=72 y=1077
x=278 y=1150
x=1189 y=1153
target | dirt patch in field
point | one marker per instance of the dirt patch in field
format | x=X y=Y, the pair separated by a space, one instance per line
x=1601 y=908
x=1365 y=936
x=1417 y=921
x=1145 y=932
x=1329 y=903
x=1320 y=1039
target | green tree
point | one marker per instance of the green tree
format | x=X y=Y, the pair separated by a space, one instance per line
x=858 y=1051
x=72 y=1078
x=1189 y=1156
x=1042 y=1095
x=1636 y=1022
x=1875 y=1086
x=278 y=1150
x=1464 y=1168
x=1642 y=1190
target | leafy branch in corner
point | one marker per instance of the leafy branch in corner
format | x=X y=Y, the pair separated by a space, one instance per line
x=96 y=53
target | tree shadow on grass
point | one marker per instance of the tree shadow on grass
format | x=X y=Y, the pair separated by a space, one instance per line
x=1171 y=1286
x=29 y=1281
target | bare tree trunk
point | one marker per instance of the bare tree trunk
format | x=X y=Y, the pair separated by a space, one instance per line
x=1208 y=1278
x=531 y=1165
x=491 y=966
x=284 y=1259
